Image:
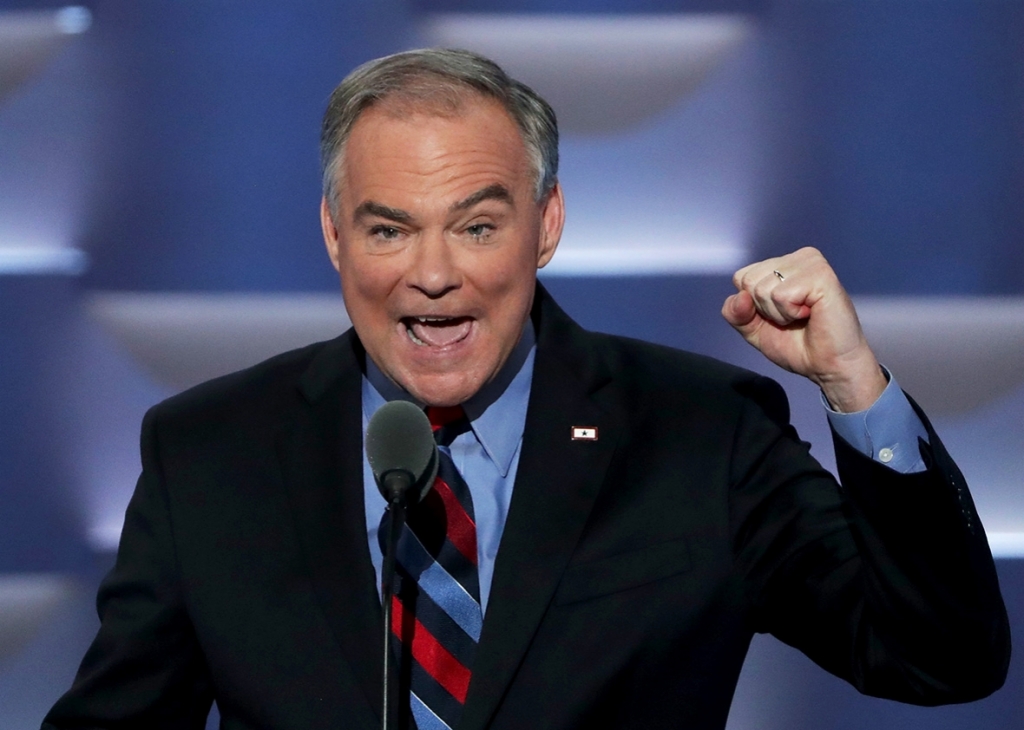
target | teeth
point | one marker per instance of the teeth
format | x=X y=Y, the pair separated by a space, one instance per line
x=412 y=336
x=428 y=322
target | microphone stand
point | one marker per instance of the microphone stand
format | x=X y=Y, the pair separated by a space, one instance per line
x=396 y=485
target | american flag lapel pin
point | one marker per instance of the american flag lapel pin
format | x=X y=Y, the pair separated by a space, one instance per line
x=584 y=433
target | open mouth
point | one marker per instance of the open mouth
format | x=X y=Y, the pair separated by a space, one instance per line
x=437 y=331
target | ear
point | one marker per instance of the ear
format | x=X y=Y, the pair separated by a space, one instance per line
x=330 y=233
x=552 y=221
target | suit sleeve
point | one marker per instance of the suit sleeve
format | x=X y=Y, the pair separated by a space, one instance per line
x=145 y=668
x=887 y=581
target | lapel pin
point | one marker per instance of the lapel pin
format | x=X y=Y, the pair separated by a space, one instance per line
x=584 y=433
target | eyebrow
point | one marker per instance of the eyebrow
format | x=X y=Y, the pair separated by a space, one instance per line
x=497 y=191
x=371 y=208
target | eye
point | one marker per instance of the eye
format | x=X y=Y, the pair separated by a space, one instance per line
x=385 y=233
x=480 y=230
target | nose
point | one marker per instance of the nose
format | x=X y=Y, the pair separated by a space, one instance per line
x=433 y=270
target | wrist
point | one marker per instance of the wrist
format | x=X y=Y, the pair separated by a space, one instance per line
x=854 y=391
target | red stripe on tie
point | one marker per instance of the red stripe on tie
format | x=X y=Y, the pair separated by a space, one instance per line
x=438 y=662
x=461 y=528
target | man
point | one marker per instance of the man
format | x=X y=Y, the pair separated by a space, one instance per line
x=639 y=512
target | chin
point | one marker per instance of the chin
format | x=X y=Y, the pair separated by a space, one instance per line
x=438 y=392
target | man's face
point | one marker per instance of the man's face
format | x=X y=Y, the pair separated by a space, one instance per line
x=437 y=240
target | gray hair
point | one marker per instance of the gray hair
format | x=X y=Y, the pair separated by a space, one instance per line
x=440 y=78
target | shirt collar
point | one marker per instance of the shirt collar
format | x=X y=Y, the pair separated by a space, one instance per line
x=497 y=412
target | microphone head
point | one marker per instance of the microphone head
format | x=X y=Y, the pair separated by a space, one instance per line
x=401 y=450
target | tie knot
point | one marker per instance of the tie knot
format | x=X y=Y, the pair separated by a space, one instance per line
x=447 y=422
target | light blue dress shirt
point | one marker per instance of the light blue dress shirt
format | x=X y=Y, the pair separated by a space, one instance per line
x=488 y=455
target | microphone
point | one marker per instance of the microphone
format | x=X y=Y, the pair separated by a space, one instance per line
x=403 y=457
x=402 y=454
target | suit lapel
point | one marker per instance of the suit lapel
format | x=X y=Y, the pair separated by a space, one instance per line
x=557 y=480
x=321 y=456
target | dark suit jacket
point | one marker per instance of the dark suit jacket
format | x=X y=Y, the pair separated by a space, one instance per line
x=632 y=573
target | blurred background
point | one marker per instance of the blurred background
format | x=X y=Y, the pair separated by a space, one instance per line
x=159 y=190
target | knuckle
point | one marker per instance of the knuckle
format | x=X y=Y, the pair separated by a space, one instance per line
x=762 y=296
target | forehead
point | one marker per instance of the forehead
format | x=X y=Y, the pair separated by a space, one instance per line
x=429 y=153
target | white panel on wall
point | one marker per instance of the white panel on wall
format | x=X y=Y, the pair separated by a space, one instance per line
x=953 y=353
x=29 y=39
x=26 y=602
x=602 y=73
x=183 y=339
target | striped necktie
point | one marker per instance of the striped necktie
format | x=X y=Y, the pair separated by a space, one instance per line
x=436 y=616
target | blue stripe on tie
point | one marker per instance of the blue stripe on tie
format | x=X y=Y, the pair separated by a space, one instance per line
x=443 y=628
x=433 y=579
x=425 y=718
x=436 y=542
x=459 y=568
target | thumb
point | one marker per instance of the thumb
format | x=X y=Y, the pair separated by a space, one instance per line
x=738 y=310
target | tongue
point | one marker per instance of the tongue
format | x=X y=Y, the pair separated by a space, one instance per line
x=440 y=334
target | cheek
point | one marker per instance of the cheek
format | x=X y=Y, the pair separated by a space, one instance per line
x=366 y=290
x=508 y=287
x=372 y=276
x=511 y=269
x=519 y=272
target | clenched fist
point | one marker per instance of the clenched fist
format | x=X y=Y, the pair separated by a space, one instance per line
x=794 y=310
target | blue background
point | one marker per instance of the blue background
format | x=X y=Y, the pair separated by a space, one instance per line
x=176 y=144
